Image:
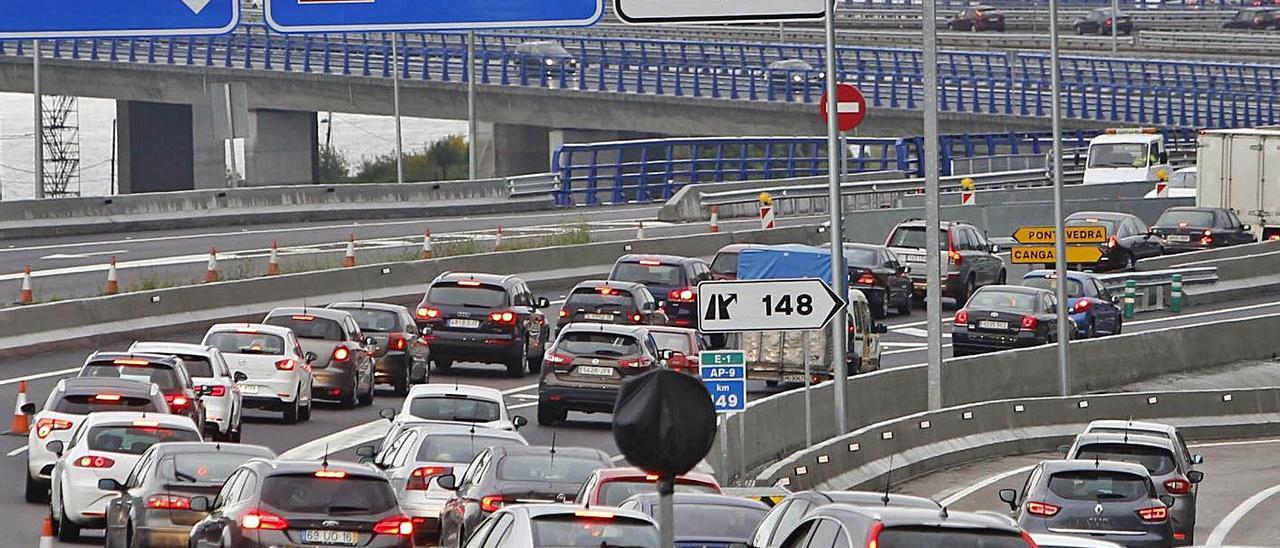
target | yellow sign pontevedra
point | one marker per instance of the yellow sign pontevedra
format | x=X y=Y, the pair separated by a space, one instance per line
x=1087 y=234
x=1044 y=254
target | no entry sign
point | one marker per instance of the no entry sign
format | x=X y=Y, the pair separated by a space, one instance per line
x=851 y=107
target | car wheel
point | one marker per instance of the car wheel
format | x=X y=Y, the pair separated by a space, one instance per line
x=1091 y=330
x=304 y=414
x=367 y=399
x=443 y=365
x=67 y=531
x=535 y=362
x=291 y=410
x=882 y=311
x=515 y=367
x=400 y=385
x=37 y=492
x=967 y=292
x=233 y=436
x=549 y=414
x=904 y=309
x=973 y=27
x=1002 y=278
x=348 y=400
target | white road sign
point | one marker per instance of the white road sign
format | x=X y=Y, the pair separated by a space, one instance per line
x=766 y=305
x=717 y=11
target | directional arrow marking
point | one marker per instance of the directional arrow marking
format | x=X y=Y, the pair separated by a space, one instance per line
x=197 y=6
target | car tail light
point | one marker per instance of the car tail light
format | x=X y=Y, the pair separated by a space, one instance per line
x=1113 y=242
x=107 y=397
x=682 y=295
x=397 y=342
x=505 y=318
x=168 y=502
x=491 y=503
x=420 y=478
x=556 y=359
x=428 y=313
x=131 y=361
x=216 y=391
x=1031 y=543
x=1155 y=514
x=341 y=354
x=44 y=427
x=634 y=363
x=955 y=257
x=1082 y=305
x=95 y=461
x=1029 y=323
x=1177 y=486
x=261 y=519
x=867 y=278
x=177 y=401
x=146 y=424
x=303 y=317
x=637 y=318
x=962 y=317
x=1179 y=536
x=564 y=313
x=873 y=538
x=286 y=364
x=605 y=290
x=1042 y=509
x=330 y=474
x=650 y=262
x=593 y=514
x=395 y=525
x=1107 y=22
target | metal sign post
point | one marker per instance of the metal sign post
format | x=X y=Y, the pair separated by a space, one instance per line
x=930 y=157
x=395 y=100
x=1060 y=243
x=724 y=373
x=839 y=368
x=808 y=389
x=1115 y=22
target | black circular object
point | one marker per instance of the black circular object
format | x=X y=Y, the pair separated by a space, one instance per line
x=664 y=422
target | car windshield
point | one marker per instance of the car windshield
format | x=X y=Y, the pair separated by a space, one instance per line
x=717 y=522
x=1096 y=485
x=1074 y=288
x=83 y=404
x=206 y=467
x=596 y=343
x=1156 y=460
x=1118 y=155
x=545 y=49
x=329 y=496
x=160 y=375
x=1109 y=224
x=460 y=448
x=790 y=64
x=235 y=342
x=913 y=237
x=673 y=341
x=197 y=366
x=454 y=408
x=614 y=492
x=572 y=531
x=547 y=468
x=305 y=326
x=725 y=264
x=1186 y=217
x=134 y=440
x=935 y=537
x=1183 y=179
x=375 y=321
x=608 y=298
x=1003 y=300
x=661 y=275
x=473 y=296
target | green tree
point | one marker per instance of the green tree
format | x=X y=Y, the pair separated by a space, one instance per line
x=442 y=160
x=334 y=166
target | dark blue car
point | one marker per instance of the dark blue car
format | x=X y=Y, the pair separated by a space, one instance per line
x=1093 y=309
x=672 y=280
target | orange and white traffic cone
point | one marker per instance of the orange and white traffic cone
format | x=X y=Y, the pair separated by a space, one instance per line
x=715 y=220
x=113 y=281
x=273 y=260
x=21 y=422
x=426 y=252
x=349 y=260
x=26 y=297
x=640 y=231
x=46 y=533
x=211 y=273
x=497 y=240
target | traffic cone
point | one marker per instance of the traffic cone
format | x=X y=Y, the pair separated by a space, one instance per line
x=497 y=240
x=640 y=231
x=273 y=260
x=113 y=282
x=426 y=245
x=349 y=260
x=21 y=422
x=26 y=297
x=715 y=219
x=211 y=273
x=46 y=533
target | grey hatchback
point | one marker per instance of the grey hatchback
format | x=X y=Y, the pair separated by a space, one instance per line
x=1105 y=500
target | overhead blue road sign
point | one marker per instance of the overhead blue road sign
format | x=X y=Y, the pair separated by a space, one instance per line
x=724 y=373
x=88 y=18
x=390 y=15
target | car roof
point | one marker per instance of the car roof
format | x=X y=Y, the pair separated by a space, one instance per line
x=1088 y=465
x=1046 y=273
x=212 y=446
x=290 y=466
x=1134 y=438
x=432 y=428
x=1109 y=215
x=673 y=329
x=1014 y=289
x=865 y=498
x=87 y=385
x=256 y=327
x=902 y=516
x=629 y=286
x=161 y=359
x=617 y=329
x=1132 y=425
x=1194 y=208
x=1107 y=138
x=549 y=509
x=128 y=417
x=368 y=305
x=649 y=499
x=737 y=248
x=165 y=347
x=503 y=280
x=633 y=472
x=326 y=313
x=664 y=259
x=456 y=389
x=941 y=224
x=546 y=450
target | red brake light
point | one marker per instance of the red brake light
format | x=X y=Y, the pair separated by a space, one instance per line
x=246 y=331
x=420 y=478
x=168 y=502
x=286 y=364
x=962 y=317
x=506 y=318
x=1031 y=543
x=216 y=391
x=491 y=504
x=396 y=525
x=866 y=278
x=1042 y=509
x=428 y=313
x=397 y=342
x=94 y=461
x=873 y=538
x=1029 y=323
x=131 y=361
x=634 y=362
x=564 y=313
x=469 y=283
x=1155 y=514
x=341 y=354
x=107 y=397
x=605 y=290
x=303 y=317
x=637 y=318
x=1113 y=242
x=331 y=474
x=955 y=257
x=44 y=427
x=262 y=519
x=176 y=401
x=146 y=424
x=1082 y=305
x=650 y=262
x=682 y=295
x=1177 y=486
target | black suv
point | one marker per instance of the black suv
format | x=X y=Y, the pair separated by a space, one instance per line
x=672 y=279
x=166 y=372
x=484 y=318
x=969 y=259
x=600 y=301
x=1194 y=228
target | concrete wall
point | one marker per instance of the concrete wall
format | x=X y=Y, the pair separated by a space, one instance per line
x=282 y=148
x=686 y=204
x=156 y=147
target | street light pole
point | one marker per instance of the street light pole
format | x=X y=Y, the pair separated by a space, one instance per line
x=839 y=366
x=1060 y=247
x=1115 y=22
x=395 y=99
x=38 y=119
x=929 y=157
x=473 y=149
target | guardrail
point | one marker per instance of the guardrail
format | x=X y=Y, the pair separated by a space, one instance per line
x=1152 y=287
x=535 y=185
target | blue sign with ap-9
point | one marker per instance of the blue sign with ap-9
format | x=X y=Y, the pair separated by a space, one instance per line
x=724 y=373
x=406 y=15
x=93 y=18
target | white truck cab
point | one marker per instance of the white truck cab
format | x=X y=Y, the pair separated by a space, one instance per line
x=1127 y=156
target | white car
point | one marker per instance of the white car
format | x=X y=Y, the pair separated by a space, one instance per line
x=1182 y=184
x=423 y=451
x=106 y=445
x=68 y=404
x=456 y=403
x=277 y=372
x=215 y=383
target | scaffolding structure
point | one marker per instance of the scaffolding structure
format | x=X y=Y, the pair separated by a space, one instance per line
x=60 y=137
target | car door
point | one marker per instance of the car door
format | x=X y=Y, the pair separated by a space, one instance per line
x=1049 y=307
x=1105 y=311
x=994 y=263
x=1241 y=235
x=209 y=532
x=899 y=281
x=524 y=303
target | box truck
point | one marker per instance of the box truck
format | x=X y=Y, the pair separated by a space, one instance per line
x=1239 y=169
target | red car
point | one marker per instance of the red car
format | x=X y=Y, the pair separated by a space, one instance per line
x=611 y=486
x=684 y=342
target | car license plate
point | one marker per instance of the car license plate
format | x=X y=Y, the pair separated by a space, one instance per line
x=248 y=388
x=913 y=258
x=467 y=324
x=594 y=371
x=599 y=317
x=1179 y=238
x=330 y=537
x=793 y=378
x=991 y=324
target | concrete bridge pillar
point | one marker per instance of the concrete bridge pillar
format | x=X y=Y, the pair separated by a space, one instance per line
x=167 y=146
x=513 y=149
x=282 y=148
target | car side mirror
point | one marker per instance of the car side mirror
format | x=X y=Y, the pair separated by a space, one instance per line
x=1197 y=459
x=448 y=482
x=666 y=354
x=239 y=376
x=541 y=302
x=995 y=248
x=880 y=328
x=1168 y=500
x=1064 y=450
x=1010 y=497
x=428 y=331
x=519 y=422
x=370 y=341
x=387 y=413
x=1195 y=476
x=365 y=451
x=108 y=484
x=310 y=357
x=55 y=447
x=28 y=408
x=1246 y=228
x=200 y=504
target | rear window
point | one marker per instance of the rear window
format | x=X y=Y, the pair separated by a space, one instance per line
x=663 y=275
x=913 y=237
x=597 y=343
x=717 y=522
x=202 y=468
x=456 y=409
x=1113 y=430
x=479 y=296
x=1198 y=219
x=931 y=537
x=197 y=366
x=1108 y=224
x=235 y=342
x=83 y=404
x=673 y=341
x=460 y=449
x=1099 y=485
x=725 y=263
x=1004 y=300
x=1074 y=288
x=614 y=492
x=308 y=494
x=615 y=299
x=547 y=468
x=861 y=256
x=375 y=321
x=1157 y=461
x=570 y=531
x=160 y=375
x=134 y=440
x=309 y=327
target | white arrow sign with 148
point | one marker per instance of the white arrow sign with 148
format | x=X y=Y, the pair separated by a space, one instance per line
x=766 y=305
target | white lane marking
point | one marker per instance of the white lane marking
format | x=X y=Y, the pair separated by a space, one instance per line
x=160 y=261
x=522 y=405
x=525 y=397
x=1224 y=527
x=1207 y=313
x=82 y=255
x=904 y=345
x=337 y=441
x=912 y=331
x=964 y=493
x=896 y=327
x=16 y=452
x=59 y=372
x=519 y=389
x=1232 y=443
